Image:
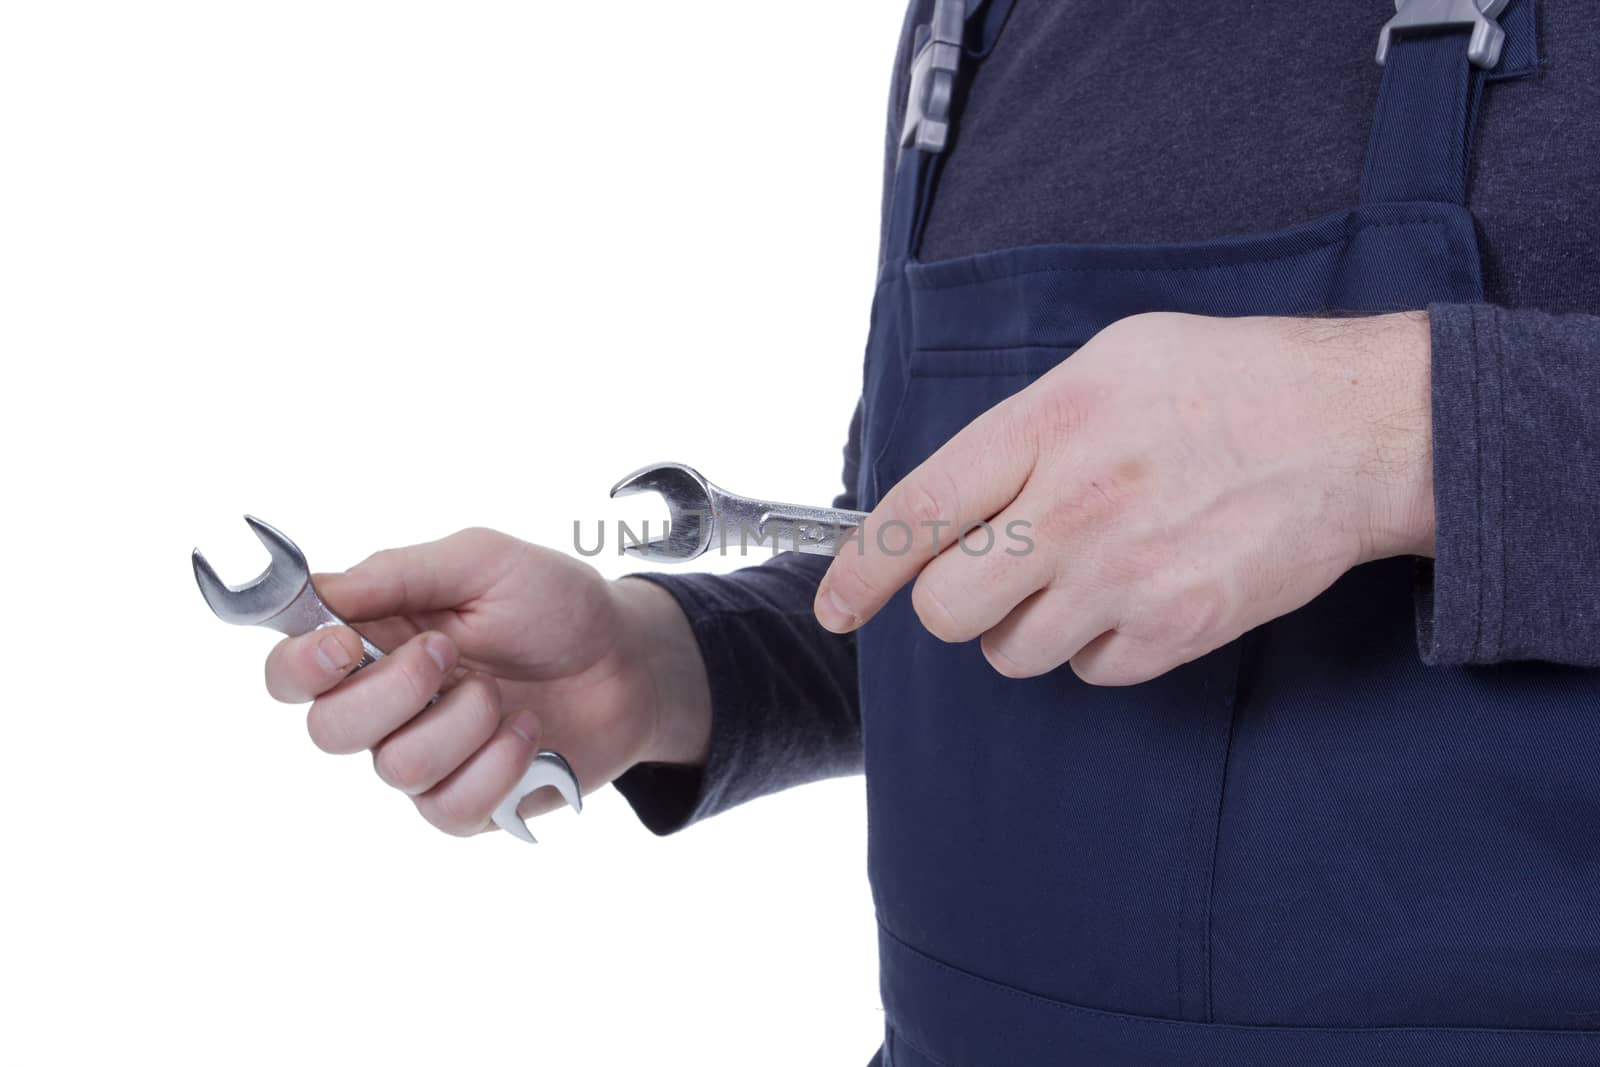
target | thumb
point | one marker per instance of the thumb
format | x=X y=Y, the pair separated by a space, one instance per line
x=416 y=578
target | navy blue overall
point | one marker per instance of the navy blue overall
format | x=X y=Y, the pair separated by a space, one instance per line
x=1305 y=848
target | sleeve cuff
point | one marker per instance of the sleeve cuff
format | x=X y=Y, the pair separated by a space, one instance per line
x=1461 y=592
x=667 y=797
x=1516 y=461
x=784 y=707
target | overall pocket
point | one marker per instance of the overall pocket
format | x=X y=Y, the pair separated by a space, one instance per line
x=1046 y=834
x=945 y=390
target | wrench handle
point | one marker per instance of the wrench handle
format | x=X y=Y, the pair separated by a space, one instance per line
x=812 y=531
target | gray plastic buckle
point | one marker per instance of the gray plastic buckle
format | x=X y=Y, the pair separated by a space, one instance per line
x=1487 y=36
x=933 y=78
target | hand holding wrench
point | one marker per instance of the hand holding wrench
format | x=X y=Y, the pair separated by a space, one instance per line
x=282 y=598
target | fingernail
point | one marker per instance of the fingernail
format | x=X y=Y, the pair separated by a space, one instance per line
x=834 y=613
x=437 y=646
x=526 y=726
x=332 y=654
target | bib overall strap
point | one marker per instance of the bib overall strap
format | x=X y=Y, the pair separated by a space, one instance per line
x=959 y=32
x=1437 y=55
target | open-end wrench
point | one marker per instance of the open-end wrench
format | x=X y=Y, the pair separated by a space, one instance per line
x=282 y=598
x=702 y=515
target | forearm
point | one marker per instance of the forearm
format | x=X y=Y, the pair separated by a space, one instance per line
x=753 y=695
x=782 y=697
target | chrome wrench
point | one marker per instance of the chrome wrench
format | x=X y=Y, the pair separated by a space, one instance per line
x=702 y=514
x=283 y=598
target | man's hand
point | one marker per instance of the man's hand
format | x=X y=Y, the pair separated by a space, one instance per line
x=533 y=649
x=1181 y=479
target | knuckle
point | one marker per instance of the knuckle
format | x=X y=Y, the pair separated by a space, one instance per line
x=479 y=713
x=327 y=730
x=1127 y=325
x=476 y=538
x=1011 y=660
x=1106 y=668
x=1141 y=329
x=485 y=704
x=1091 y=670
x=1017 y=434
x=921 y=505
x=453 y=813
x=381 y=560
x=398 y=765
x=936 y=617
x=292 y=673
x=1058 y=415
x=1193 y=619
x=1121 y=661
x=930 y=496
x=419 y=676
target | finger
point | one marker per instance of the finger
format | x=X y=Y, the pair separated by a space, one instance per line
x=1044 y=631
x=383 y=697
x=392 y=632
x=429 y=748
x=976 y=582
x=416 y=578
x=973 y=476
x=302 y=668
x=1117 y=658
x=463 y=802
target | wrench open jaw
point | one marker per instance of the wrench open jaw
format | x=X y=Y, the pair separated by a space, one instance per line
x=701 y=515
x=691 y=518
x=256 y=602
x=283 y=598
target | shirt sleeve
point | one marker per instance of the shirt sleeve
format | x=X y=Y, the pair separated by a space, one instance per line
x=784 y=704
x=785 y=709
x=1516 y=436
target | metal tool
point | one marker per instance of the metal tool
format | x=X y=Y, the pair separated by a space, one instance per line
x=282 y=598
x=702 y=515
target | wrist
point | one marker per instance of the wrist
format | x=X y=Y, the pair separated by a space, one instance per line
x=659 y=643
x=1397 y=423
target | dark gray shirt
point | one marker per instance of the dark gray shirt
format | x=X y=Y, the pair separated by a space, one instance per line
x=1164 y=121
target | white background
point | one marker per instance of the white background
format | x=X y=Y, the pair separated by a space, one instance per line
x=376 y=271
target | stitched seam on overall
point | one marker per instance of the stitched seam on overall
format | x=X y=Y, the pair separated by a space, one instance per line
x=1461 y=104
x=1342 y=239
x=1465 y=103
x=1187 y=872
x=1377 y=136
x=1102 y=1013
x=1216 y=833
